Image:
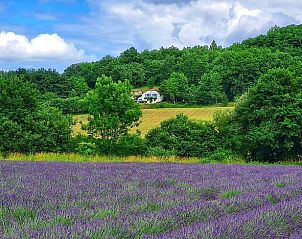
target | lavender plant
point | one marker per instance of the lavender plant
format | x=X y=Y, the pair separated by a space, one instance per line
x=72 y=200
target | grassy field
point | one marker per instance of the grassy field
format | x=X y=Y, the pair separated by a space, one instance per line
x=77 y=158
x=153 y=117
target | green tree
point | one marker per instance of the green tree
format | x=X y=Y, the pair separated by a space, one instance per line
x=193 y=63
x=175 y=88
x=79 y=86
x=131 y=55
x=213 y=45
x=112 y=111
x=285 y=39
x=120 y=72
x=45 y=80
x=89 y=71
x=268 y=119
x=137 y=75
x=154 y=70
x=26 y=125
x=240 y=69
x=210 y=90
x=184 y=137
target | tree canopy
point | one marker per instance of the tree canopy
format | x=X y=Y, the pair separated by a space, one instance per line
x=267 y=122
x=26 y=125
x=112 y=111
x=262 y=75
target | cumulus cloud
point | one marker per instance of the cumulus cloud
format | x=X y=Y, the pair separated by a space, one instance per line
x=156 y=23
x=110 y=27
x=44 y=47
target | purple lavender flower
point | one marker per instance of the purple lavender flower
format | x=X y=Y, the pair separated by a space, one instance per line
x=72 y=200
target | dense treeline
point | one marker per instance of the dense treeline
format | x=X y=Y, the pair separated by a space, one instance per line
x=26 y=124
x=286 y=39
x=197 y=75
x=208 y=74
x=263 y=75
x=266 y=124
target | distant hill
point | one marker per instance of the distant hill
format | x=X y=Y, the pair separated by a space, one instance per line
x=194 y=75
x=286 y=39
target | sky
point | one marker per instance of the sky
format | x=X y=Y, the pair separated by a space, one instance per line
x=57 y=33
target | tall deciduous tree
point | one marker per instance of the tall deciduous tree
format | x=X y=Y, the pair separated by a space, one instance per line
x=213 y=45
x=268 y=119
x=176 y=87
x=79 y=86
x=26 y=125
x=210 y=90
x=112 y=110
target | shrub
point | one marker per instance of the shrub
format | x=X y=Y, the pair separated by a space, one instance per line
x=160 y=152
x=86 y=148
x=130 y=145
x=266 y=124
x=222 y=155
x=127 y=145
x=26 y=125
x=183 y=137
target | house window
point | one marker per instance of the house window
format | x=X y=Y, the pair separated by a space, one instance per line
x=148 y=95
x=154 y=95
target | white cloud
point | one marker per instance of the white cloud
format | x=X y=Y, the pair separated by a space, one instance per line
x=42 y=48
x=157 y=23
x=113 y=26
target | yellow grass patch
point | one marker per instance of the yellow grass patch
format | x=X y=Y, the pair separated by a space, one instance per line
x=153 y=117
x=72 y=157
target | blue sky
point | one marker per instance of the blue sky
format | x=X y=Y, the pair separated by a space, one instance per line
x=57 y=33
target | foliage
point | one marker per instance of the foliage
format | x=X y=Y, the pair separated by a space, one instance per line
x=286 y=39
x=126 y=145
x=158 y=151
x=267 y=121
x=262 y=73
x=194 y=62
x=70 y=105
x=221 y=155
x=194 y=75
x=79 y=87
x=130 y=144
x=45 y=80
x=230 y=71
x=112 y=110
x=175 y=88
x=26 y=125
x=210 y=90
x=239 y=69
x=184 y=137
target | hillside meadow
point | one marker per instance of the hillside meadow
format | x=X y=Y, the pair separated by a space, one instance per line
x=152 y=118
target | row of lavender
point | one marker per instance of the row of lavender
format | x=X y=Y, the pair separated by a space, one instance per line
x=59 y=200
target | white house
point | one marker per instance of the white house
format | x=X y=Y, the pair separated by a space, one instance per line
x=151 y=97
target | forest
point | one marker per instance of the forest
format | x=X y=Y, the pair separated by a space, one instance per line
x=262 y=75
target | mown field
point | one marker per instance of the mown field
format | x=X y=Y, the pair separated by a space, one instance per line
x=153 y=117
x=119 y=200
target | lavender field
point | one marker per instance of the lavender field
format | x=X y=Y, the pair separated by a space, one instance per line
x=64 y=200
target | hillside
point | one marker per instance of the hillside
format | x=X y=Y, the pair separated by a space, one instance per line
x=286 y=39
x=200 y=75
x=153 y=117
